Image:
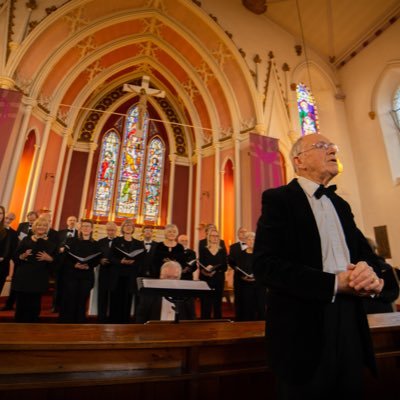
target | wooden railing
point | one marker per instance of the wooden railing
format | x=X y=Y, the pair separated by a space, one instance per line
x=190 y=360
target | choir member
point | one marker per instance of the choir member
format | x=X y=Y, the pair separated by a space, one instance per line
x=126 y=255
x=153 y=307
x=33 y=258
x=213 y=264
x=80 y=255
x=168 y=250
x=103 y=290
x=25 y=228
x=252 y=295
x=234 y=252
x=191 y=259
x=7 y=247
x=150 y=247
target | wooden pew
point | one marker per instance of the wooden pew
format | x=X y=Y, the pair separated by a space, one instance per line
x=212 y=360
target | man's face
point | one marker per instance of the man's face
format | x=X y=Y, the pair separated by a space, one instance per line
x=9 y=218
x=71 y=222
x=242 y=234
x=183 y=240
x=317 y=164
x=147 y=234
x=111 y=231
x=31 y=218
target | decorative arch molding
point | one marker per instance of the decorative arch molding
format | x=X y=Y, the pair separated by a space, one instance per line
x=145 y=68
x=206 y=53
x=381 y=105
x=321 y=77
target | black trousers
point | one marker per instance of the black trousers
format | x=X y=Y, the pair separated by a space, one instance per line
x=212 y=305
x=121 y=302
x=75 y=297
x=340 y=372
x=27 y=307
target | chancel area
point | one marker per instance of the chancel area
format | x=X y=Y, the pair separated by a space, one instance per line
x=161 y=122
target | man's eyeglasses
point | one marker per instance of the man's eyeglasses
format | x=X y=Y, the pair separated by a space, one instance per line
x=321 y=146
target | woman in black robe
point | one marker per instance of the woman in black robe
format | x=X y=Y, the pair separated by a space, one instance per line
x=80 y=255
x=168 y=250
x=34 y=257
x=252 y=295
x=213 y=260
x=125 y=256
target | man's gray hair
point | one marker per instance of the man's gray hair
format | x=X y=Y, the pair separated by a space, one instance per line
x=295 y=150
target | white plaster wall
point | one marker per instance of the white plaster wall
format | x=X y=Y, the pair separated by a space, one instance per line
x=380 y=196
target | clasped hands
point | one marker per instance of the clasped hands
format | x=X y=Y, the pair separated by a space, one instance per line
x=127 y=261
x=359 y=279
x=40 y=256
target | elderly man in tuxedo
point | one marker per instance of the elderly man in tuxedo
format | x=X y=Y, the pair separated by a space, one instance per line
x=317 y=266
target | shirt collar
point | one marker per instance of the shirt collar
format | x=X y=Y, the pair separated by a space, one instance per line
x=308 y=186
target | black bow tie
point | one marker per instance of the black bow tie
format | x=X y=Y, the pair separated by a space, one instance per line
x=71 y=230
x=327 y=191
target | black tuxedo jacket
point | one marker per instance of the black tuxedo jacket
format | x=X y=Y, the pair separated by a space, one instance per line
x=288 y=261
x=64 y=234
x=23 y=227
x=235 y=250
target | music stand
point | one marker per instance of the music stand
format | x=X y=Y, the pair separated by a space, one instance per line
x=174 y=290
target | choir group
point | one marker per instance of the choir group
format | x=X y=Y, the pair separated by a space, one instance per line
x=35 y=255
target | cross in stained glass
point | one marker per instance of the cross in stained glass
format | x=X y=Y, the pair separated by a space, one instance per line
x=143 y=91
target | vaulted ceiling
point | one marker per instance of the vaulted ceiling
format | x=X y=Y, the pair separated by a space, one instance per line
x=75 y=56
x=335 y=29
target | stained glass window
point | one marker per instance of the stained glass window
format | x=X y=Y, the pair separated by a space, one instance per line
x=396 y=106
x=307 y=110
x=140 y=171
x=133 y=154
x=153 y=181
x=106 y=173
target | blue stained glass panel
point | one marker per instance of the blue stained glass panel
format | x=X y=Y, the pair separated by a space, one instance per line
x=132 y=165
x=307 y=110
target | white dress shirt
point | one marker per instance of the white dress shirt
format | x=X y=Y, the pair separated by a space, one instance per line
x=335 y=253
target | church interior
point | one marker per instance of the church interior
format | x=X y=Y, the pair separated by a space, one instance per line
x=184 y=112
x=217 y=115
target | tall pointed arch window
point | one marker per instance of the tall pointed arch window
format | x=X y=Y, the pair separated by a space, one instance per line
x=106 y=173
x=307 y=110
x=152 y=188
x=396 y=107
x=140 y=171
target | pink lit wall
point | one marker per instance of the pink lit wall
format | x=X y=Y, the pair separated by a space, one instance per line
x=73 y=190
x=266 y=169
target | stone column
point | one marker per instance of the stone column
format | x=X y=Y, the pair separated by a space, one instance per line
x=92 y=149
x=18 y=150
x=40 y=160
x=172 y=159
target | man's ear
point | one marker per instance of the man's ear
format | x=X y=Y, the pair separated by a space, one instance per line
x=298 y=163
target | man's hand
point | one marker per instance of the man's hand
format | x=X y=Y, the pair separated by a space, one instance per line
x=359 y=279
x=364 y=279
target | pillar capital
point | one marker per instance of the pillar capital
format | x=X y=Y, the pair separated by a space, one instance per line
x=6 y=82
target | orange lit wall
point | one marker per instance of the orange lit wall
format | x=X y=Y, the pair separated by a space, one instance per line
x=21 y=181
